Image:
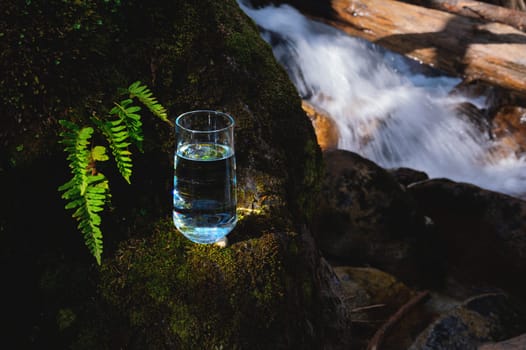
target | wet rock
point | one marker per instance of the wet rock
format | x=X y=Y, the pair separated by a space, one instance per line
x=509 y=129
x=474 y=116
x=364 y=216
x=326 y=129
x=483 y=318
x=483 y=233
x=503 y=119
x=489 y=95
x=471 y=88
x=407 y=176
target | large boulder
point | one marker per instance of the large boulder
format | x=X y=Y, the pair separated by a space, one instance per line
x=269 y=287
x=509 y=127
x=364 y=216
x=407 y=176
x=483 y=233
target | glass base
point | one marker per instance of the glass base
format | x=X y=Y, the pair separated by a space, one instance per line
x=204 y=234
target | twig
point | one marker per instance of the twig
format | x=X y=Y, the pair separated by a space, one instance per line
x=378 y=337
x=366 y=321
x=368 y=307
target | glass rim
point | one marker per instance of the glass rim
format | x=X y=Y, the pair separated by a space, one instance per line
x=181 y=116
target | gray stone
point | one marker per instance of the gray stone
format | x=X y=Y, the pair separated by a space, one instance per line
x=484 y=318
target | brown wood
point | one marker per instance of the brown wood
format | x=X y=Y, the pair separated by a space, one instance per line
x=376 y=342
x=479 y=10
x=517 y=343
x=492 y=52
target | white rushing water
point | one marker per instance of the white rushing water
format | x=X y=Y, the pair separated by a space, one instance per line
x=383 y=109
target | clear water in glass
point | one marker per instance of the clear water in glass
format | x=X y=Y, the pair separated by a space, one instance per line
x=204 y=195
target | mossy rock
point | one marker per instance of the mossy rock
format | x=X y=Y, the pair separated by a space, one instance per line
x=269 y=288
x=200 y=55
x=173 y=293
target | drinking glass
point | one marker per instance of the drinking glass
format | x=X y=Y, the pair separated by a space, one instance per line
x=204 y=193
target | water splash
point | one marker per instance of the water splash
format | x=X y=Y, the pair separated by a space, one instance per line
x=384 y=109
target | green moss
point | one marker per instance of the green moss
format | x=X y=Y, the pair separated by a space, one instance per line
x=210 y=295
x=312 y=177
x=244 y=47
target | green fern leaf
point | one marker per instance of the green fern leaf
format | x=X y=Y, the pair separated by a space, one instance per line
x=85 y=192
x=87 y=208
x=143 y=93
x=130 y=120
x=77 y=141
x=119 y=147
x=98 y=153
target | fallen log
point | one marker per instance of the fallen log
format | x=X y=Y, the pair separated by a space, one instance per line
x=478 y=10
x=466 y=47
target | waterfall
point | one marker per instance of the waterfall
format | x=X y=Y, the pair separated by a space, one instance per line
x=385 y=110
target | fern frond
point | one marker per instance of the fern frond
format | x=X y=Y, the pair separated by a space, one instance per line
x=85 y=192
x=128 y=121
x=117 y=135
x=143 y=93
x=87 y=207
x=76 y=141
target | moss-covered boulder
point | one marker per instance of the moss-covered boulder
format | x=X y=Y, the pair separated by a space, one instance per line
x=269 y=288
x=256 y=293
